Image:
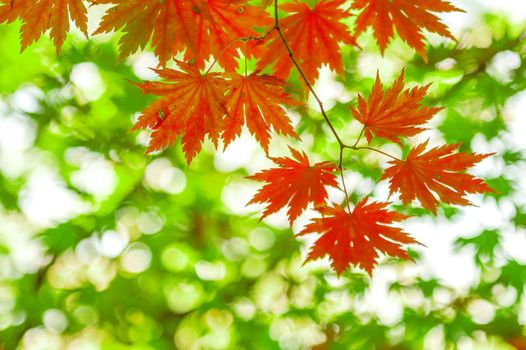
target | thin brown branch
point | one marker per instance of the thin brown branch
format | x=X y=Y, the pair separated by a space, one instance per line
x=340 y=166
x=374 y=150
x=302 y=74
x=359 y=137
x=249 y=38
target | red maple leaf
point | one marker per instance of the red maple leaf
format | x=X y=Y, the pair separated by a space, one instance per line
x=40 y=15
x=205 y=27
x=255 y=100
x=11 y=10
x=193 y=105
x=395 y=113
x=219 y=24
x=170 y=24
x=313 y=34
x=438 y=172
x=409 y=17
x=356 y=238
x=295 y=184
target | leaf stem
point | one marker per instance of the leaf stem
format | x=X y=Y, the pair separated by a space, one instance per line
x=340 y=166
x=318 y=100
x=359 y=137
x=249 y=38
x=223 y=50
x=373 y=149
x=302 y=74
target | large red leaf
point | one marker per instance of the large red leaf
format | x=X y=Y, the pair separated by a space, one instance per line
x=295 y=183
x=40 y=15
x=192 y=105
x=205 y=27
x=219 y=24
x=170 y=24
x=395 y=113
x=313 y=34
x=356 y=238
x=438 y=172
x=256 y=100
x=409 y=17
x=11 y=10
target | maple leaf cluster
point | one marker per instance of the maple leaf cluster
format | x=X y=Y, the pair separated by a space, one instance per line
x=357 y=237
x=196 y=103
x=204 y=28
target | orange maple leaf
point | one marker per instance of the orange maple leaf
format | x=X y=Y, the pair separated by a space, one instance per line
x=219 y=24
x=11 y=10
x=295 y=184
x=313 y=34
x=40 y=15
x=409 y=17
x=255 y=100
x=170 y=25
x=204 y=27
x=435 y=173
x=193 y=105
x=357 y=237
x=395 y=113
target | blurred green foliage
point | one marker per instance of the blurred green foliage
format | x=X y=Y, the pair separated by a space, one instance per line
x=161 y=259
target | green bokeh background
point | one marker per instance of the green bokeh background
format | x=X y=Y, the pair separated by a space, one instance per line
x=155 y=254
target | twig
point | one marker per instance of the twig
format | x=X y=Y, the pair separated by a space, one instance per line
x=302 y=74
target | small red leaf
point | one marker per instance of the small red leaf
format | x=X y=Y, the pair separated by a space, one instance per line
x=295 y=184
x=409 y=17
x=256 y=100
x=356 y=238
x=193 y=106
x=313 y=34
x=438 y=172
x=395 y=112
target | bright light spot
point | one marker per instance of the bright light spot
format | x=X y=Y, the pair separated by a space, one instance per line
x=55 y=320
x=503 y=64
x=86 y=77
x=262 y=238
x=46 y=201
x=143 y=64
x=235 y=248
x=26 y=99
x=175 y=258
x=96 y=175
x=236 y=195
x=150 y=223
x=208 y=271
x=112 y=244
x=481 y=311
x=184 y=296
x=137 y=258
x=161 y=175
x=239 y=153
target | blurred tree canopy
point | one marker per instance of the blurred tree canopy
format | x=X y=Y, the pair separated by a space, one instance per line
x=103 y=247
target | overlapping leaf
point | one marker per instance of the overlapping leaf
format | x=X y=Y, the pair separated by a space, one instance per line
x=256 y=100
x=313 y=34
x=170 y=24
x=295 y=183
x=409 y=17
x=192 y=105
x=395 y=112
x=38 y=16
x=438 y=172
x=203 y=27
x=219 y=24
x=356 y=238
x=11 y=10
